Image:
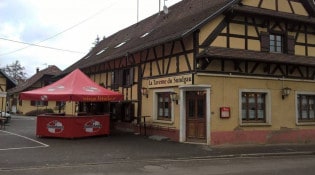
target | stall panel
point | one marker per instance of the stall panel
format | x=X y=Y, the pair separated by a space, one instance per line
x=72 y=126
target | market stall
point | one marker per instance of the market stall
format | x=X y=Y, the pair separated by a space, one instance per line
x=75 y=87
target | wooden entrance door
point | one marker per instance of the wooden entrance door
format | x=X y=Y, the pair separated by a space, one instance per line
x=196 y=116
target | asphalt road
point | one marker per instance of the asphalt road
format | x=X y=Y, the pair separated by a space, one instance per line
x=22 y=153
x=296 y=165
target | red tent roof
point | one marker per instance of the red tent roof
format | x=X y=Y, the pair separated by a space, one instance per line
x=76 y=86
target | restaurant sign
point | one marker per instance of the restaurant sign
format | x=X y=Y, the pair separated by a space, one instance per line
x=170 y=81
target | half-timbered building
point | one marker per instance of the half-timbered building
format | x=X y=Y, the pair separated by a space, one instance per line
x=40 y=79
x=6 y=83
x=214 y=72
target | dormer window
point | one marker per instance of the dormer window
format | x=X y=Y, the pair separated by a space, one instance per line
x=121 y=44
x=144 y=35
x=101 y=51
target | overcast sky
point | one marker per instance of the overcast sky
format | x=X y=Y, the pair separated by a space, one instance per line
x=65 y=28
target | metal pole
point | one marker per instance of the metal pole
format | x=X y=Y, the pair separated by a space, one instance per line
x=159 y=6
x=137 y=11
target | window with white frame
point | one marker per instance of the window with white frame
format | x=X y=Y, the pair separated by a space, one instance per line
x=305 y=107
x=254 y=107
x=163 y=106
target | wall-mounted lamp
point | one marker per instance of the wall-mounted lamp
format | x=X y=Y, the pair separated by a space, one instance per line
x=144 y=92
x=174 y=97
x=285 y=92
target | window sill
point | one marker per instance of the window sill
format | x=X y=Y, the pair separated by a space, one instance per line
x=254 y=124
x=163 y=122
x=305 y=123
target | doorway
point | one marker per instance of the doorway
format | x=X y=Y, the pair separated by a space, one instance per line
x=196 y=116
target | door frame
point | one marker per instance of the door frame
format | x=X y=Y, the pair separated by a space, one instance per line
x=182 y=107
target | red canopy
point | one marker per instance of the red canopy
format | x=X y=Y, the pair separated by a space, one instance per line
x=76 y=86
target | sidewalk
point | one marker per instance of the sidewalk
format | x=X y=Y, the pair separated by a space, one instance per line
x=230 y=151
x=262 y=150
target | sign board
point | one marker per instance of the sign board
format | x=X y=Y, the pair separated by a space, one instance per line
x=170 y=81
x=225 y=112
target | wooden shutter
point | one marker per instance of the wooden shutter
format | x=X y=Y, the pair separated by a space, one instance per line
x=117 y=79
x=264 y=41
x=131 y=76
x=290 y=45
x=120 y=78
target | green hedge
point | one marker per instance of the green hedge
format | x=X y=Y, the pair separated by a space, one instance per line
x=39 y=111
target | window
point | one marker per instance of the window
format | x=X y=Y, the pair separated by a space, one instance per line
x=306 y=107
x=127 y=77
x=115 y=80
x=164 y=107
x=276 y=43
x=39 y=103
x=101 y=51
x=60 y=105
x=255 y=107
x=122 y=43
x=122 y=78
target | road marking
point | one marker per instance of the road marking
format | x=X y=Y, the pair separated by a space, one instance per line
x=43 y=145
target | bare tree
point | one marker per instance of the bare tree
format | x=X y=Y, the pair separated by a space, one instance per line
x=16 y=71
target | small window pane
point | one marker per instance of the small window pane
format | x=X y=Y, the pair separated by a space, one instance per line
x=272 y=37
x=272 y=49
x=244 y=114
x=161 y=112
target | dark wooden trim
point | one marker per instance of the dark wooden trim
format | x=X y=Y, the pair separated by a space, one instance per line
x=145 y=61
x=170 y=74
x=228 y=34
x=291 y=7
x=246 y=33
x=157 y=61
x=260 y=3
x=163 y=60
x=151 y=68
x=239 y=36
x=120 y=62
x=254 y=67
x=186 y=57
x=195 y=48
x=170 y=57
x=215 y=33
x=306 y=40
x=250 y=68
x=177 y=64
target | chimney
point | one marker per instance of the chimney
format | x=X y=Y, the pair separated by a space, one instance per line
x=37 y=69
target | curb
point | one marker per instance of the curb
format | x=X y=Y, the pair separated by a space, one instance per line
x=252 y=155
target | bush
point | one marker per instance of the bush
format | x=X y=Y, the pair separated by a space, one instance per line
x=39 y=111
